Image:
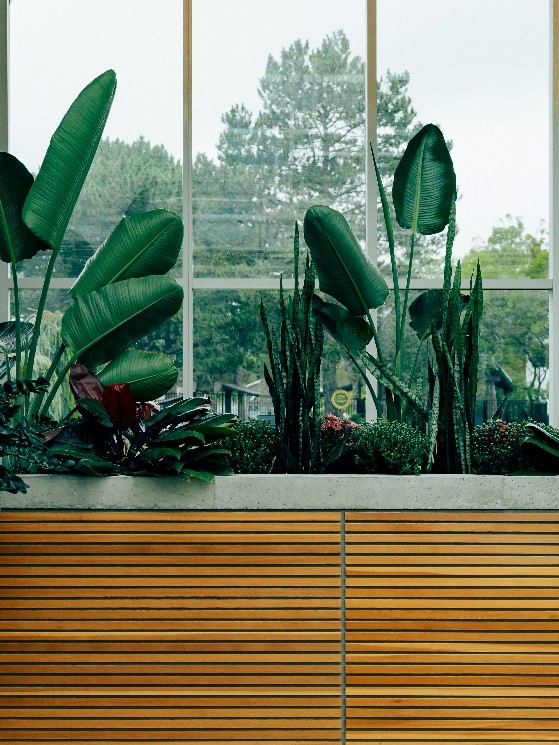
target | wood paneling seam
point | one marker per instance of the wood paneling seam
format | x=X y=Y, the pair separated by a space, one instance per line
x=343 y=628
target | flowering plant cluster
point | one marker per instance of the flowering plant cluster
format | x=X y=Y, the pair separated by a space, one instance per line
x=496 y=447
x=338 y=438
x=339 y=428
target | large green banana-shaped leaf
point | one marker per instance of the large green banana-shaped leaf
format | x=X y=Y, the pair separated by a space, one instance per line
x=424 y=183
x=149 y=374
x=142 y=244
x=52 y=197
x=17 y=242
x=427 y=309
x=99 y=326
x=352 y=332
x=343 y=270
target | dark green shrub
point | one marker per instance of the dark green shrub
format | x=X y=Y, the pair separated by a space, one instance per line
x=254 y=448
x=496 y=447
x=21 y=444
x=389 y=447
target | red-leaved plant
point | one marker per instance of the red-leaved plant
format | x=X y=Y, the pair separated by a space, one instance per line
x=114 y=433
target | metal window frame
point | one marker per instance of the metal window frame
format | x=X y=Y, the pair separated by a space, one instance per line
x=191 y=283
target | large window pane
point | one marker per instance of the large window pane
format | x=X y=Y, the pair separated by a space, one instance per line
x=230 y=353
x=278 y=116
x=56 y=48
x=515 y=341
x=480 y=70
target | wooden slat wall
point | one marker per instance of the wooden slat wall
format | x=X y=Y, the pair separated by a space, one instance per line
x=170 y=627
x=452 y=631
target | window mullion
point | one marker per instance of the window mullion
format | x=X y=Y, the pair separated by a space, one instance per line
x=370 y=178
x=4 y=130
x=554 y=219
x=188 y=243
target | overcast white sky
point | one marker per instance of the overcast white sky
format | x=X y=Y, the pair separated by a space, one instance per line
x=479 y=68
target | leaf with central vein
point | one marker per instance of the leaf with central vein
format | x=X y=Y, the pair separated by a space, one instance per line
x=149 y=374
x=102 y=324
x=352 y=332
x=424 y=183
x=52 y=197
x=343 y=270
x=17 y=242
x=140 y=245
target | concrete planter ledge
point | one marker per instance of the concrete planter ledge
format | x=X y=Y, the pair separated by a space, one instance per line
x=288 y=492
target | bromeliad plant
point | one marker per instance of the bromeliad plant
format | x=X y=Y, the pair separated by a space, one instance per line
x=122 y=292
x=424 y=198
x=116 y=434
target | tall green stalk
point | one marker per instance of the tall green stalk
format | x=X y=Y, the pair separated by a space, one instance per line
x=293 y=374
x=39 y=314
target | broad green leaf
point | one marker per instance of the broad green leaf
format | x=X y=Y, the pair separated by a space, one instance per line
x=69 y=451
x=149 y=374
x=161 y=452
x=52 y=197
x=213 y=433
x=98 y=326
x=140 y=245
x=352 y=332
x=98 y=467
x=180 y=435
x=424 y=183
x=8 y=335
x=204 y=452
x=211 y=422
x=343 y=270
x=96 y=409
x=426 y=310
x=17 y=242
x=178 y=410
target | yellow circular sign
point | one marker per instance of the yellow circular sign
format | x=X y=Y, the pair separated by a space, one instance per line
x=341 y=399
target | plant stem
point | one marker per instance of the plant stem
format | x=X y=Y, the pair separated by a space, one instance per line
x=38 y=408
x=368 y=383
x=39 y=315
x=17 y=319
x=406 y=295
x=375 y=337
x=391 y=248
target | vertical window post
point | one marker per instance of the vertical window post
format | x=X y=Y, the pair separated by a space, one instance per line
x=4 y=122
x=188 y=244
x=554 y=220
x=370 y=178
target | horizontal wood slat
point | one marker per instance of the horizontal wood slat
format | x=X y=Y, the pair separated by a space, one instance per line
x=452 y=627
x=170 y=627
x=222 y=627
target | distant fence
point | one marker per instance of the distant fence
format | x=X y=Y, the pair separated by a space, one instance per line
x=515 y=411
x=261 y=407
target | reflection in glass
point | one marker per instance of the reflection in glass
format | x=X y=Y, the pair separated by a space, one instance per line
x=481 y=72
x=290 y=136
x=137 y=166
